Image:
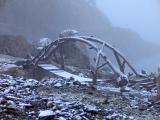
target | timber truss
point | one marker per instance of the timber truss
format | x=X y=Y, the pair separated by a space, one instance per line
x=93 y=43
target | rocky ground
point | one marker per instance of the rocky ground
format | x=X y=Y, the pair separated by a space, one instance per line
x=61 y=99
x=56 y=98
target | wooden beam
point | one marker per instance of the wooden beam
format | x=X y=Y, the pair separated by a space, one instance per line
x=92 y=39
x=61 y=56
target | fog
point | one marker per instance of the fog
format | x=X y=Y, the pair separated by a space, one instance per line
x=132 y=26
x=142 y=16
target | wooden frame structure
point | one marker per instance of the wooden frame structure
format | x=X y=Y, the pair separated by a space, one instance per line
x=91 y=42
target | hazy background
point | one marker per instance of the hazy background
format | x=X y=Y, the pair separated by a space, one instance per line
x=132 y=26
x=142 y=16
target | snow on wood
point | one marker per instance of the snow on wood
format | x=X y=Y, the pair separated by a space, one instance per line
x=63 y=73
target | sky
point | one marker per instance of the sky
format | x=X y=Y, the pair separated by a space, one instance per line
x=142 y=16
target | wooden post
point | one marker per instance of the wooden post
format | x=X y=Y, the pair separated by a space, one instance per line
x=95 y=71
x=61 y=56
x=94 y=79
x=121 y=64
x=123 y=67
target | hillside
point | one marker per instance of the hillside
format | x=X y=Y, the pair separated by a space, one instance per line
x=15 y=46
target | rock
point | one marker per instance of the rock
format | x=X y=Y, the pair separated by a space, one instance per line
x=25 y=106
x=50 y=104
x=71 y=78
x=61 y=118
x=30 y=83
x=93 y=110
x=10 y=104
x=32 y=112
x=46 y=114
x=43 y=42
x=3 y=101
x=77 y=83
x=15 y=46
x=124 y=89
x=69 y=33
x=75 y=53
x=143 y=107
x=143 y=72
x=122 y=81
x=11 y=108
x=58 y=85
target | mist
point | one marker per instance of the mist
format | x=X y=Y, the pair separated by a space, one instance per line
x=79 y=60
x=142 y=16
x=131 y=26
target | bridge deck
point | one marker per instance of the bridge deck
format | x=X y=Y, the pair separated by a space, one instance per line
x=64 y=74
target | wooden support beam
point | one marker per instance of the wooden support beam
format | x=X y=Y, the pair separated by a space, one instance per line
x=95 y=71
x=118 y=60
x=120 y=63
x=102 y=65
x=123 y=67
x=96 y=40
x=61 y=55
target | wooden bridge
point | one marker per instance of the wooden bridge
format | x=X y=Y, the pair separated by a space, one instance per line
x=93 y=43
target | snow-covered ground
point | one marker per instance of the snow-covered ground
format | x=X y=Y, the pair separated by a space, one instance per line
x=82 y=80
x=68 y=96
x=29 y=99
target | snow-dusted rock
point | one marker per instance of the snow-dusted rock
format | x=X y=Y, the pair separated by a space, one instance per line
x=61 y=118
x=43 y=42
x=46 y=113
x=30 y=83
x=25 y=105
x=58 y=85
x=91 y=108
x=48 y=101
x=50 y=104
x=68 y=33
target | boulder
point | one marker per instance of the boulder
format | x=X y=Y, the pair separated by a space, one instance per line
x=75 y=53
x=15 y=46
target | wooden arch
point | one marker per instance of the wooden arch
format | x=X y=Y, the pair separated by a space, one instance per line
x=92 y=42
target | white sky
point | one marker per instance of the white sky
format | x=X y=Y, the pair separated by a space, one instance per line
x=142 y=16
